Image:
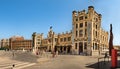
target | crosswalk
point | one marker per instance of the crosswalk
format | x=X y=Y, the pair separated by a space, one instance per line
x=15 y=64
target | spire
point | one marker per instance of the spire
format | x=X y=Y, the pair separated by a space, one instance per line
x=50 y=27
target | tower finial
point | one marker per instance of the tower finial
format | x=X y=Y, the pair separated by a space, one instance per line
x=50 y=27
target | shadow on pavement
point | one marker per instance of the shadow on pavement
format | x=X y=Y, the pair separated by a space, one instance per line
x=102 y=65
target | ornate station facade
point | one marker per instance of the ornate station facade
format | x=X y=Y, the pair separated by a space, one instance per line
x=87 y=36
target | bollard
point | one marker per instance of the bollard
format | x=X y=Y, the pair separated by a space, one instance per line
x=114 y=58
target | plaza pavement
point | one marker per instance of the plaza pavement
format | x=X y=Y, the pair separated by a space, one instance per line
x=75 y=62
x=6 y=63
x=20 y=60
x=26 y=60
x=71 y=62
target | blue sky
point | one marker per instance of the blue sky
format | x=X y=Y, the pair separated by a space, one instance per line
x=23 y=17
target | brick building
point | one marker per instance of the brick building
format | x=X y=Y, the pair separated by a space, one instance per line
x=19 y=43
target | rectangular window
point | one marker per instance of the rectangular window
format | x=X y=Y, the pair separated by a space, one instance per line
x=38 y=43
x=96 y=19
x=103 y=38
x=76 y=19
x=81 y=18
x=93 y=32
x=80 y=33
x=56 y=39
x=64 y=39
x=76 y=33
x=96 y=26
x=38 y=39
x=81 y=25
x=93 y=46
x=85 y=24
x=61 y=39
x=96 y=46
x=69 y=38
x=75 y=45
x=96 y=33
x=76 y=26
x=85 y=45
x=85 y=32
x=50 y=40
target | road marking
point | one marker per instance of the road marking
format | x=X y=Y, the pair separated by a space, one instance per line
x=26 y=66
x=18 y=65
x=8 y=64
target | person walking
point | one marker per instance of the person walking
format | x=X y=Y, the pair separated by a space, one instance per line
x=56 y=53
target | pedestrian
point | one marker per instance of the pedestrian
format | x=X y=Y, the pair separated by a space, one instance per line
x=56 y=53
x=106 y=55
x=44 y=53
x=13 y=54
x=53 y=54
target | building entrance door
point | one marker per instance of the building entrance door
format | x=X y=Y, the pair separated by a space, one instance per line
x=80 y=48
x=61 y=49
x=69 y=49
x=55 y=48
